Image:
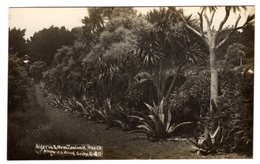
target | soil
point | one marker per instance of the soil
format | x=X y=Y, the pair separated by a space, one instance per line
x=52 y=126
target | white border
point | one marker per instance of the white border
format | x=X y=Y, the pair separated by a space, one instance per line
x=26 y=3
x=63 y=3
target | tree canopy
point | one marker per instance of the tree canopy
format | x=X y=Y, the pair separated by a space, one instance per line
x=44 y=44
x=17 y=43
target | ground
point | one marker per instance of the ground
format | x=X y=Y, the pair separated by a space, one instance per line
x=52 y=126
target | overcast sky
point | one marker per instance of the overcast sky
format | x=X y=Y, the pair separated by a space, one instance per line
x=35 y=19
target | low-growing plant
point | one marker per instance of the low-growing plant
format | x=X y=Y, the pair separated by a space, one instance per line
x=44 y=91
x=102 y=113
x=56 y=102
x=120 y=117
x=158 y=124
x=84 y=107
x=209 y=142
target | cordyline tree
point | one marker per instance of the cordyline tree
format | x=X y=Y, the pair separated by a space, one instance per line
x=211 y=37
x=166 y=45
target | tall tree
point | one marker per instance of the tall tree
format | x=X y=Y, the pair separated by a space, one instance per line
x=43 y=44
x=112 y=52
x=211 y=37
x=165 y=47
x=17 y=43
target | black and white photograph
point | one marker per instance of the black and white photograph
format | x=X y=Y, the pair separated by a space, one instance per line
x=131 y=82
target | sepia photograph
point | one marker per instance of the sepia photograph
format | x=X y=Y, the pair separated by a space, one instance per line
x=162 y=82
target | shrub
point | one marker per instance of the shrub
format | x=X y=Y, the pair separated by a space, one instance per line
x=235 y=112
x=141 y=92
x=17 y=82
x=36 y=70
x=190 y=102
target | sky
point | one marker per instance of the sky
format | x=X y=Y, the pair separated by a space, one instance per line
x=35 y=19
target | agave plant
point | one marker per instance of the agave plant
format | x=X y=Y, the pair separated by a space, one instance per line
x=120 y=117
x=158 y=124
x=208 y=142
x=57 y=102
x=102 y=114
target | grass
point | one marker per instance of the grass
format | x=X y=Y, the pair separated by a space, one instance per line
x=25 y=128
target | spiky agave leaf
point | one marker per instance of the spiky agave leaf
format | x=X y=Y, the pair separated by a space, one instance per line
x=137 y=117
x=158 y=125
x=161 y=111
x=193 y=144
x=172 y=128
x=152 y=109
x=213 y=135
x=148 y=133
x=169 y=120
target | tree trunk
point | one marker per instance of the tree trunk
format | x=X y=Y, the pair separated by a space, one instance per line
x=214 y=79
x=170 y=89
x=160 y=82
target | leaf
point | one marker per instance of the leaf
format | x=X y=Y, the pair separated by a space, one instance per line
x=215 y=133
x=119 y=122
x=141 y=131
x=201 y=140
x=147 y=128
x=173 y=128
x=152 y=109
x=169 y=120
x=195 y=145
x=137 y=117
x=157 y=123
x=206 y=133
x=161 y=106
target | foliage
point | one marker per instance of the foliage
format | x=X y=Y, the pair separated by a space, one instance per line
x=65 y=73
x=235 y=55
x=43 y=44
x=235 y=111
x=36 y=69
x=120 y=117
x=102 y=114
x=209 y=142
x=84 y=107
x=114 y=115
x=167 y=45
x=116 y=64
x=17 y=43
x=17 y=81
x=158 y=124
x=190 y=101
x=139 y=92
x=56 y=102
